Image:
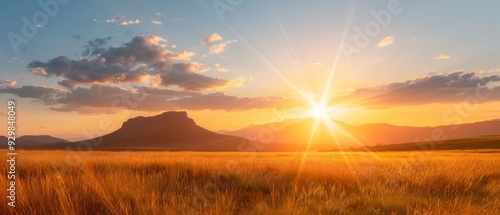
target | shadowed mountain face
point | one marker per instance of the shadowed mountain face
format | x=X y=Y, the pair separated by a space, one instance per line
x=167 y=131
x=345 y=135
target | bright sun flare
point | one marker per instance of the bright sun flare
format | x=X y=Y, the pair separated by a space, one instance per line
x=319 y=111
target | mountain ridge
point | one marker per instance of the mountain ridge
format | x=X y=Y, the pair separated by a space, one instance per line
x=299 y=129
x=169 y=131
x=29 y=141
x=175 y=131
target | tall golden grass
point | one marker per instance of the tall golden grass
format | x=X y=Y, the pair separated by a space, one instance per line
x=260 y=183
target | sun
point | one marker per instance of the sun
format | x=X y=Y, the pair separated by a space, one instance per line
x=319 y=111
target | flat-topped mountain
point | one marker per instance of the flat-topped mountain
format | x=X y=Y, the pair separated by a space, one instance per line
x=167 y=131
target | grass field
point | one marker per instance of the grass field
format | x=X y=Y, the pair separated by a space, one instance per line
x=444 y=182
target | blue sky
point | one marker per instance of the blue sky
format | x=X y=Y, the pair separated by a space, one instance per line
x=272 y=46
x=463 y=30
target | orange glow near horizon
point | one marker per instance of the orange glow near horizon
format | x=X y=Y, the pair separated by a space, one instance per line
x=319 y=111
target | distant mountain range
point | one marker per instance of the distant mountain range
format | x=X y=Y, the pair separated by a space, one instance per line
x=175 y=131
x=347 y=136
x=472 y=143
x=35 y=141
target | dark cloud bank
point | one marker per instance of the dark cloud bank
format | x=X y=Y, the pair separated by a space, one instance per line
x=157 y=80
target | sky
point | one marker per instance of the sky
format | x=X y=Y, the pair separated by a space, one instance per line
x=79 y=69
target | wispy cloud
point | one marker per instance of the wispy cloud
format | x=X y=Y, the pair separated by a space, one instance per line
x=156 y=22
x=215 y=43
x=121 y=20
x=433 y=88
x=210 y=39
x=96 y=99
x=219 y=68
x=218 y=48
x=135 y=22
x=7 y=83
x=13 y=59
x=96 y=46
x=117 y=18
x=77 y=36
x=385 y=42
x=442 y=57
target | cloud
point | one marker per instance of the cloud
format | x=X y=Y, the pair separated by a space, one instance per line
x=95 y=21
x=183 y=75
x=39 y=26
x=117 y=18
x=218 y=48
x=221 y=101
x=159 y=14
x=442 y=57
x=39 y=71
x=210 y=39
x=238 y=82
x=219 y=68
x=156 y=22
x=183 y=55
x=142 y=74
x=96 y=46
x=482 y=71
x=99 y=99
x=121 y=20
x=386 y=41
x=177 y=19
x=215 y=43
x=133 y=62
x=7 y=83
x=77 y=36
x=130 y=22
x=44 y=94
x=433 y=88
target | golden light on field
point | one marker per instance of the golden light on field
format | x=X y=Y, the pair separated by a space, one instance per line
x=322 y=113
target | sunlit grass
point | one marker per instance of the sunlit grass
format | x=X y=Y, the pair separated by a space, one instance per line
x=261 y=183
